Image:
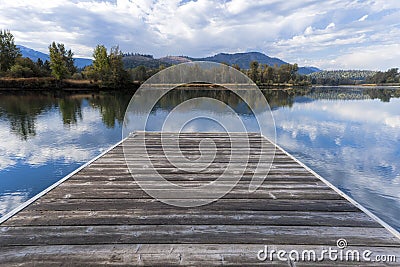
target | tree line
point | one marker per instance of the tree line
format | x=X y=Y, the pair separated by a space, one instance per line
x=354 y=77
x=12 y=64
x=389 y=76
x=263 y=74
x=340 y=77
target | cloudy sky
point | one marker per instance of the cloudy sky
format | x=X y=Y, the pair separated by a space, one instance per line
x=330 y=34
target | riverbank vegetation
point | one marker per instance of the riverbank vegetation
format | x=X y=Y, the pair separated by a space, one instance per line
x=355 y=77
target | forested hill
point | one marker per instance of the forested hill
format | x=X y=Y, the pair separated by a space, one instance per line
x=135 y=60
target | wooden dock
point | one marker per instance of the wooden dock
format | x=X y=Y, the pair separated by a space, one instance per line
x=100 y=216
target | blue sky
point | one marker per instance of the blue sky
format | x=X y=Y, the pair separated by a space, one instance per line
x=330 y=34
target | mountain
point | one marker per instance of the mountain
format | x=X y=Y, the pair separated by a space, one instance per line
x=243 y=59
x=35 y=55
x=307 y=70
x=32 y=54
x=82 y=62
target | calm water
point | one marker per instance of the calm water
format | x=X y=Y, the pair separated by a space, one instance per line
x=350 y=136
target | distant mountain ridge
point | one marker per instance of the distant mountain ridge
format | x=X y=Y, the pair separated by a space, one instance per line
x=243 y=59
x=308 y=70
x=131 y=61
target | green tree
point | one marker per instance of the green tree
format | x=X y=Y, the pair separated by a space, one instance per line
x=118 y=77
x=8 y=50
x=70 y=62
x=287 y=72
x=46 y=66
x=101 y=63
x=108 y=68
x=254 y=75
x=61 y=61
x=39 y=63
x=43 y=68
x=139 y=73
x=269 y=73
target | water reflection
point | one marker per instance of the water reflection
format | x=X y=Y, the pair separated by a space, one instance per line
x=353 y=140
x=21 y=112
x=112 y=108
x=45 y=137
x=70 y=109
x=351 y=136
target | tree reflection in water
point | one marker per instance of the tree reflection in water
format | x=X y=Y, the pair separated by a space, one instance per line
x=22 y=109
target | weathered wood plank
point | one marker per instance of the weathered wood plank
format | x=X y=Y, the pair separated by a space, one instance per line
x=138 y=193
x=233 y=171
x=193 y=234
x=169 y=254
x=222 y=204
x=190 y=217
x=223 y=185
x=126 y=177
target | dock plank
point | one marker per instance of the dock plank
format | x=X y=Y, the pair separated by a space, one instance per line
x=153 y=254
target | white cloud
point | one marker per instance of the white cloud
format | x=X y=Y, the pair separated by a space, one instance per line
x=9 y=202
x=330 y=26
x=355 y=149
x=299 y=30
x=363 y=18
x=309 y=30
x=375 y=57
x=393 y=121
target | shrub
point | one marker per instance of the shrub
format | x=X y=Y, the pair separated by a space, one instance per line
x=18 y=71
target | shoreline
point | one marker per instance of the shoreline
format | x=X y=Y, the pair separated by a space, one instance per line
x=69 y=85
x=51 y=84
